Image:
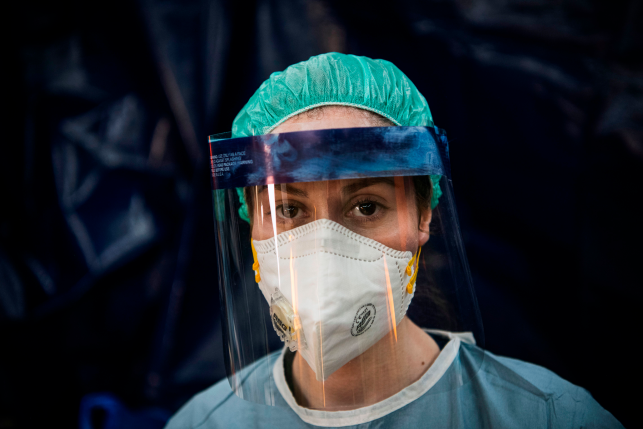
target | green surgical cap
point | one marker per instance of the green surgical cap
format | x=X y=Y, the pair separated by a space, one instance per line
x=333 y=79
x=339 y=80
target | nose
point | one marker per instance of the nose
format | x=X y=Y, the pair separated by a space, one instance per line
x=324 y=198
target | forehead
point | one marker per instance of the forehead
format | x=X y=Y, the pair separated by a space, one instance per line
x=331 y=117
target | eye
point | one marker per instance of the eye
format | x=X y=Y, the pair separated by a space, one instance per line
x=367 y=208
x=289 y=212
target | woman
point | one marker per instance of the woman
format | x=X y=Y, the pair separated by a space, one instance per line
x=344 y=185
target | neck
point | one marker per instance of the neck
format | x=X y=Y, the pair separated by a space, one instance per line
x=383 y=370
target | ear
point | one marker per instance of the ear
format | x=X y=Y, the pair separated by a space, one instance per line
x=423 y=226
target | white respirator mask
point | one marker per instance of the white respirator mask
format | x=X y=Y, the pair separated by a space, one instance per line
x=333 y=293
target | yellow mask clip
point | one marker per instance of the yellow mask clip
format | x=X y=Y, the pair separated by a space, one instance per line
x=413 y=273
x=255 y=266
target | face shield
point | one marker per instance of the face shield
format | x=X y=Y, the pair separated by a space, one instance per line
x=327 y=241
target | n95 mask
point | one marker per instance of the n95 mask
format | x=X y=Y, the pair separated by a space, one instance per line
x=332 y=293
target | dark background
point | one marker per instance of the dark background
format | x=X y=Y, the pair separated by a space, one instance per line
x=108 y=283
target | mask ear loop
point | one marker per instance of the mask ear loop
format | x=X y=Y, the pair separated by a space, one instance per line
x=255 y=266
x=411 y=272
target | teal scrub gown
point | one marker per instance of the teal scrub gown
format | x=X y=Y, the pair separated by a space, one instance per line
x=466 y=387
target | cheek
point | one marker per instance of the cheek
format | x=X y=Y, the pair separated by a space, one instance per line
x=400 y=229
x=261 y=231
x=412 y=239
x=256 y=234
x=398 y=234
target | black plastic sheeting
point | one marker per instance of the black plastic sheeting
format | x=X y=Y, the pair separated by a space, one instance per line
x=108 y=280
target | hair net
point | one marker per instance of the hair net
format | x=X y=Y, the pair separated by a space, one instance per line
x=334 y=79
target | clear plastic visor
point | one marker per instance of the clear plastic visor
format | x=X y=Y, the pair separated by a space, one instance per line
x=338 y=294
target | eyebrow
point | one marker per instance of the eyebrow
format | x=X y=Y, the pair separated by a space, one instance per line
x=289 y=189
x=346 y=190
x=364 y=183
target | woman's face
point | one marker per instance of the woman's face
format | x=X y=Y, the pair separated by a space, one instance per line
x=383 y=209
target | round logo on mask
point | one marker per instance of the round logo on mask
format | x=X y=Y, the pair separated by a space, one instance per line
x=363 y=319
